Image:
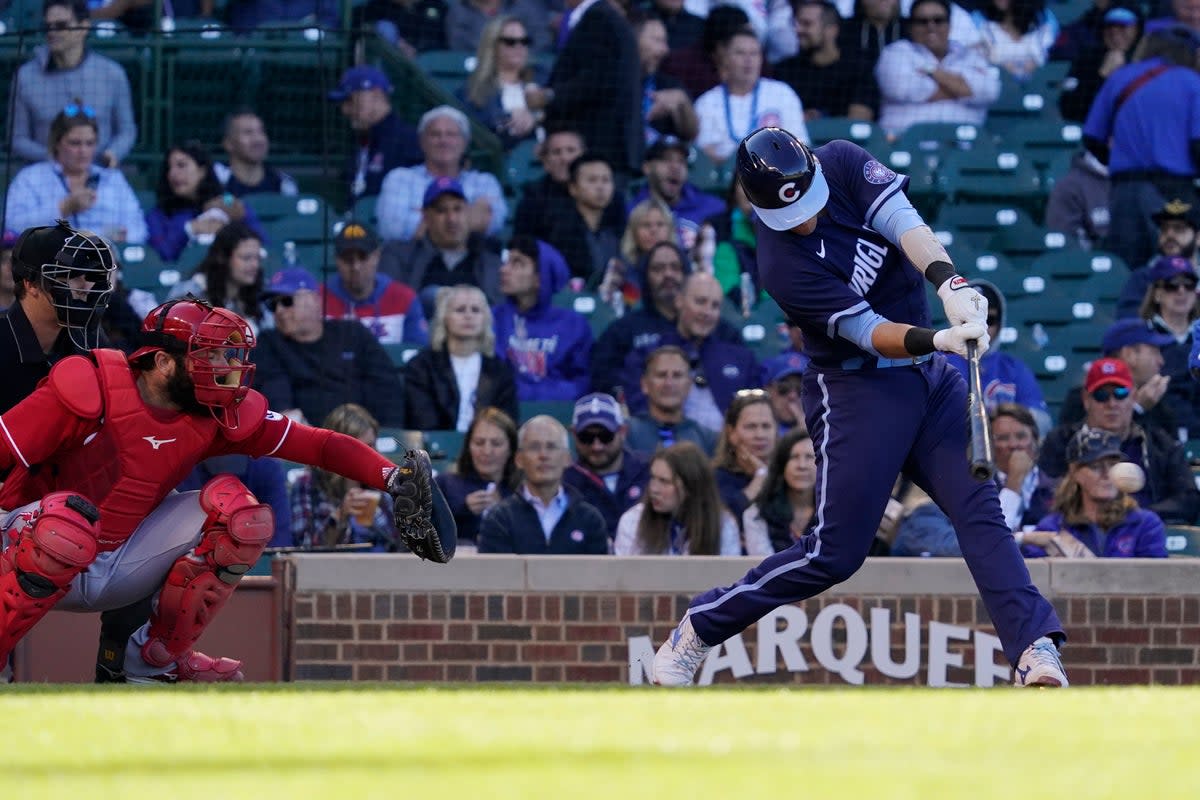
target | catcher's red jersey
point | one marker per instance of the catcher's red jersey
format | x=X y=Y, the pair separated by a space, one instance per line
x=126 y=458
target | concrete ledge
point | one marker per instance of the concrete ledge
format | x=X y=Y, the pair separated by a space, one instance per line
x=1104 y=576
x=879 y=576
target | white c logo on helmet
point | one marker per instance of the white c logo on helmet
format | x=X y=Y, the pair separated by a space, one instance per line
x=788 y=193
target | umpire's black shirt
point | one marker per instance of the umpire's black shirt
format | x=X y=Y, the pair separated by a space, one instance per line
x=22 y=362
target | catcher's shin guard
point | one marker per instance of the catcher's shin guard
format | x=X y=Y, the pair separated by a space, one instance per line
x=35 y=573
x=237 y=529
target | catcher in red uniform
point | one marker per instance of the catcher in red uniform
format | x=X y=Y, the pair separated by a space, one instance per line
x=91 y=521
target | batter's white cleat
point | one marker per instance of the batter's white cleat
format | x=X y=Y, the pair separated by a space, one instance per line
x=1040 y=666
x=676 y=662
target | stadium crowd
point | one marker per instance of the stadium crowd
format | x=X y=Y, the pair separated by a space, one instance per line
x=592 y=344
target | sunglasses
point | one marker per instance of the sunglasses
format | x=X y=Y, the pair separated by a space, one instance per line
x=1106 y=393
x=516 y=41
x=74 y=110
x=284 y=300
x=590 y=436
x=929 y=20
x=1175 y=286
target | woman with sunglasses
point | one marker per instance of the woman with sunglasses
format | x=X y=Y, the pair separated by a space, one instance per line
x=70 y=185
x=783 y=511
x=191 y=204
x=1170 y=305
x=745 y=444
x=1090 y=516
x=681 y=513
x=495 y=91
x=231 y=276
x=485 y=473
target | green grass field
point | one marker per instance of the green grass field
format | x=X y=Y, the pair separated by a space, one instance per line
x=581 y=743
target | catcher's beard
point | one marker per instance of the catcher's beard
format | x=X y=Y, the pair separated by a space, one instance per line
x=182 y=391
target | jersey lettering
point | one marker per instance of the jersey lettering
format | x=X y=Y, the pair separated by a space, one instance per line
x=868 y=258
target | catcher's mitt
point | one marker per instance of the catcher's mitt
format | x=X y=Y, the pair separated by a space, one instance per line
x=422 y=516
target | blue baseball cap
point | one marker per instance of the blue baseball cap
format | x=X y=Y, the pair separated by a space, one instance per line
x=357 y=79
x=600 y=409
x=1168 y=267
x=289 y=281
x=1090 y=445
x=1120 y=16
x=441 y=186
x=1125 y=332
x=784 y=366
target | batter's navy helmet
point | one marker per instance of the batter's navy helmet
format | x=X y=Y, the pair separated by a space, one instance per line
x=781 y=177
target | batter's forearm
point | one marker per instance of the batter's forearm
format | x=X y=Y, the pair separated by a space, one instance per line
x=922 y=248
x=892 y=340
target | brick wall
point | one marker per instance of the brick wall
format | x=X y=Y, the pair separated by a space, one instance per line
x=535 y=620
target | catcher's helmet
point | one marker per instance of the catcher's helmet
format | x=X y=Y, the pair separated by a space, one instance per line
x=216 y=344
x=78 y=271
x=781 y=177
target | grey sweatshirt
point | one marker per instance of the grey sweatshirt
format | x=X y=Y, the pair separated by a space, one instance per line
x=40 y=94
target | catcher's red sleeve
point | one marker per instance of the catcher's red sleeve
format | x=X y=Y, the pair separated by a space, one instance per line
x=322 y=448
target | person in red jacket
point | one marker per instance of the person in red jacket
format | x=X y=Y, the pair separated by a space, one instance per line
x=95 y=452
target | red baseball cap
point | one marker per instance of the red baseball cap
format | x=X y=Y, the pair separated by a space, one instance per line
x=1108 y=371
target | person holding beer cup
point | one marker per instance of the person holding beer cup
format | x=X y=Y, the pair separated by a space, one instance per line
x=330 y=511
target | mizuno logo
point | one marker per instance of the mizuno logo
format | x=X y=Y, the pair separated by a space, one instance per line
x=821 y=252
x=157 y=443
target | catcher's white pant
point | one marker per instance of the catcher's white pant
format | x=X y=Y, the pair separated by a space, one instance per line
x=138 y=567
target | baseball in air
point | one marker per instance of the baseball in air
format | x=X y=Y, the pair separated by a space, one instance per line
x=1127 y=476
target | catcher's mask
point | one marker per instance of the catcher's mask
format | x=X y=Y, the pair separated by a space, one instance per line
x=216 y=345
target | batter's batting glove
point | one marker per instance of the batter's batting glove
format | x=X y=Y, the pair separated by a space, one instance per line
x=954 y=340
x=423 y=519
x=962 y=303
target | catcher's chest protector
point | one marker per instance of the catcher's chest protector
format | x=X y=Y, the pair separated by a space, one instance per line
x=134 y=460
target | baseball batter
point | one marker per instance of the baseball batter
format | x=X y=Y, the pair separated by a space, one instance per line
x=843 y=252
x=95 y=451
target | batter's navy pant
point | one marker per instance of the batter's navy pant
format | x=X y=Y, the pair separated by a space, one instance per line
x=866 y=427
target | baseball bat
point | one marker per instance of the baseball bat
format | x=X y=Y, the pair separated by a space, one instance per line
x=979 y=448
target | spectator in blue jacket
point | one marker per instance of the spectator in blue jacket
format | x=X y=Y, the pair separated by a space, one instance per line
x=1005 y=378
x=719 y=368
x=666 y=169
x=543 y=517
x=548 y=347
x=606 y=473
x=1091 y=517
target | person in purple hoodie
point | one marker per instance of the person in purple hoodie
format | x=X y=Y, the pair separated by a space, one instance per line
x=666 y=171
x=549 y=347
x=1005 y=378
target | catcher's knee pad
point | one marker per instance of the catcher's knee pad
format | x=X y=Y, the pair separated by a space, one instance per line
x=237 y=529
x=235 y=533
x=36 y=572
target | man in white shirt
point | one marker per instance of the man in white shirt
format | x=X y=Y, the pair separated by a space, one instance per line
x=930 y=78
x=543 y=516
x=745 y=101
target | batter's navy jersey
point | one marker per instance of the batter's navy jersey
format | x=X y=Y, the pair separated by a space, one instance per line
x=845 y=268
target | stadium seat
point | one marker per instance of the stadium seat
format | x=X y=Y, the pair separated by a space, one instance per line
x=269 y=206
x=402 y=352
x=364 y=209
x=1096 y=274
x=1018 y=104
x=1001 y=176
x=1023 y=244
x=710 y=176
x=391 y=441
x=978 y=222
x=866 y=135
x=142 y=268
x=443 y=448
x=1183 y=540
x=598 y=313
x=284 y=100
x=560 y=410
x=1041 y=141
x=521 y=166
x=298 y=229
x=935 y=139
x=448 y=68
